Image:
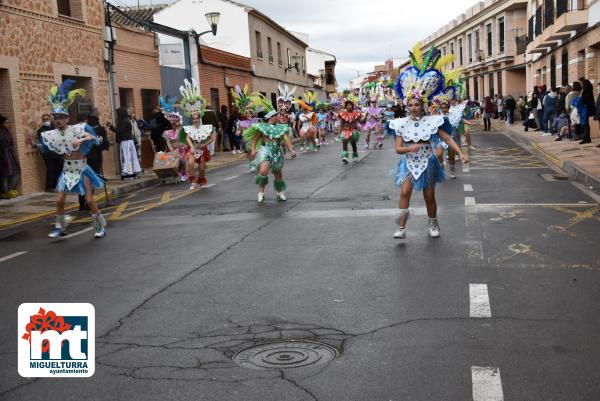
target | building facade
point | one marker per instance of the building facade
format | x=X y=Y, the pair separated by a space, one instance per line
x=42 y=43
x=563 y=42
x=488 y=41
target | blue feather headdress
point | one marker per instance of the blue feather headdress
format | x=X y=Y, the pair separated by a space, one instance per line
x=424 y=79
x=61 y=97
x=168 y=107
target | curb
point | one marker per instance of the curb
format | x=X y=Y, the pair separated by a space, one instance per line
x=576 y=172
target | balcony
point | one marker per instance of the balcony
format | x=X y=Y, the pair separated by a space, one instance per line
x=557 y=28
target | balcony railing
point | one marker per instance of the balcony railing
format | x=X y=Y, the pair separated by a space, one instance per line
x=548 y=13
x=280 y=62
x=270 y=59
x=538 y=21
x=259 y=54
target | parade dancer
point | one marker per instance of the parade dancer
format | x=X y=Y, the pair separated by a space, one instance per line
x=349 y=119
x=373 y=123
x=247 y=113
x=309 y=120
x=266 y=140
x=175 y=141
x=418 y=135
x=458 y=116
x=284 y=104
x=72 y=143
x=197 y=135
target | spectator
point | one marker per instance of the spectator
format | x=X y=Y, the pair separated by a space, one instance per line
x=587 y=109
x=157 y=126
x=522 y=106
x=488 y=112
x=224 y=120
x=597 y=110
x=549 y=102
x=500 y=107
x=537 y=111
x=510 y=105
x=52 y=160
x=137 y=134
x=235 y=139
x=10 y=169
x=532 y=106
x=210 y=117
x=130 y=166
x=94 y=157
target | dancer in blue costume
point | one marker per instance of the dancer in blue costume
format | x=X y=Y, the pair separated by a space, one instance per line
x=417 y=136
x=73 y=142
x=265 y=140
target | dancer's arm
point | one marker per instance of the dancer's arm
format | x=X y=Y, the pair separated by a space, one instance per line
x=453 y=145
x=401 y=149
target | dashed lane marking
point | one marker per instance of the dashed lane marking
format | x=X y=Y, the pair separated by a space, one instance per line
x=12 y=256
x=469 y=201
x=468 y=188
x=233 y=177
x=479 y=301
x=487 y=384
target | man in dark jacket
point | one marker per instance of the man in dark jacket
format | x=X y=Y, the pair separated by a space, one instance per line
x=597 y=110
x=158 y=125
x=94 y=157
x=510 y=105
x=52 y=160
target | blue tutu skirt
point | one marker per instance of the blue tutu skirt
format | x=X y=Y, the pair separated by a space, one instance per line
x=79 y=188
x=432 y=175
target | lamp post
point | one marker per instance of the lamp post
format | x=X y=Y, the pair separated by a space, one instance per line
x=213 y=19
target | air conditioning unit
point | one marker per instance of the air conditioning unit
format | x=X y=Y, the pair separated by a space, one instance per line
x=227 y=81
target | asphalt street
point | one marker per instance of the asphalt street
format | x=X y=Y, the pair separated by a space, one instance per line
x=503 y=306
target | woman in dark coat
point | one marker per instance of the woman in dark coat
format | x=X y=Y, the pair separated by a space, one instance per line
x=10 y=169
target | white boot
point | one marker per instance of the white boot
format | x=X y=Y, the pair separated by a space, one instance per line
x=434 y=228
x=401 y=231
x=281 y=196
x=261 y=197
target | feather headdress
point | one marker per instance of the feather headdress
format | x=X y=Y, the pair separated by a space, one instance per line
x=191 y=100
x=167 y=105
x=424 y=79
x=285 y=93
x=309 y=101
x=261 y=103
x=61 y=97
x=453 y=90
x=241 y=98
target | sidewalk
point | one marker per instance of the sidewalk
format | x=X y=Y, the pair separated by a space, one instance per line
x=24 y=209
x=582 y=162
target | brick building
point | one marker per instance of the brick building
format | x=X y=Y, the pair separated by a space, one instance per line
x=41 y=43
x=137 y=75
x=219 y=72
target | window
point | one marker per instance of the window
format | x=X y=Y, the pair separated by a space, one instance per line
x=296 y=58
x=477 y=45
x=259 y=53
x=270 y=49
x=444 y=51
x=489 y=39
x=470 y=47
x=501 y=35
x=279 y=58
x=468 y=87
x=491 y=84
x=460 y=51
x=564 y=61
x=500 y=83
x=476 y=88
x=64 y=8
x=289 y=56
x=452 y=52
x=303 y=66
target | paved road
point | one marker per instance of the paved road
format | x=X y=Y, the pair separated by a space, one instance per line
x=504 y=306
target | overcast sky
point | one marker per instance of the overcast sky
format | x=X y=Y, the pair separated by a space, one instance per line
x=361 y=34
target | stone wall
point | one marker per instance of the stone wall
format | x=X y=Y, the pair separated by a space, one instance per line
x=37 y=48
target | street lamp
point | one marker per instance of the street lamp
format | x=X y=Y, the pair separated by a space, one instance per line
x=213 y=21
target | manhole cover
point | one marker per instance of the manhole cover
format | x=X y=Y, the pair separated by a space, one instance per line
x=285 y=355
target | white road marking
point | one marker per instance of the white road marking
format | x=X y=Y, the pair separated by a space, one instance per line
x=468 y=188
x=479 y=301
x=12 y=256
x=233 y=177
x=469 y=201
x=208 y=185
x=487 y=385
